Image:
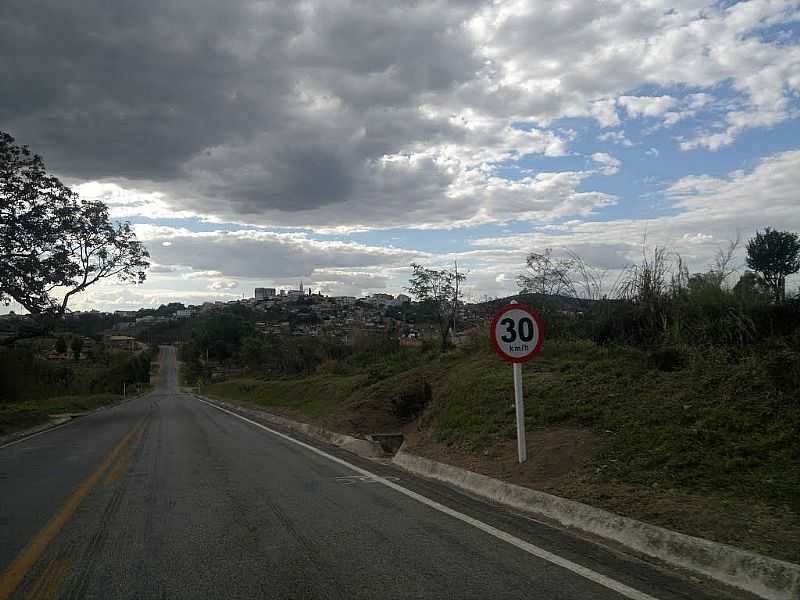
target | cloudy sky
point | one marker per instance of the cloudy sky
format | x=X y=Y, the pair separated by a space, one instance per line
x=334 y=142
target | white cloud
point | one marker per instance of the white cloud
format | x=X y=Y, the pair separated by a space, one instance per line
x=327 y=117
x=617 y=137
x=646 y=106
x=267 y=255
x=711 y=212
x=126 y=202
x=610 y=164
x=223 y=284
x=391 y=108
x=696 y=101
x=673 y=117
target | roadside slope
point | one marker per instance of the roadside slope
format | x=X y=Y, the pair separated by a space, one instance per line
x=705 y=450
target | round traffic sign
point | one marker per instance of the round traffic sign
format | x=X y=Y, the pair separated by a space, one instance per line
x=516 y=333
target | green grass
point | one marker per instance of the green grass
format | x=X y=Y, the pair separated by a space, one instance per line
x=713 y=428
x=17 y=416
x=695 y=449
x=315 y=396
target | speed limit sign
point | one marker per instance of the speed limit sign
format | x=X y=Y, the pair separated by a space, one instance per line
x=516 y=333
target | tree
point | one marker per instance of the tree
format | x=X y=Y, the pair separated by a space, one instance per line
x=100 y=249
x=252 y=353
x=774 y=255
x=440 y=291
x=61 y=345
x=34 y=210
x=52 y=243
x=751 y=289
x=76 y=345
x=724 y=265
x=547 y=275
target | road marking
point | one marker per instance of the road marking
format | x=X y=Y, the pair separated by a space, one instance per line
x=119 y=467
x=49 y=582
x=33 y=435
x=584 y=572
x=19 y=567
x=351 y=479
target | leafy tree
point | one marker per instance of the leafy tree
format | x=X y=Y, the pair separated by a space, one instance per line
x=61 y=345
x=168 y=309
x=220 y=335
x=101 y=249
x=751 y=289
x=52 y=243
x=76 y=345
x=99 y=354
x=252 y=352
x=440 y=291
x=35 y=209
x=774 y=255
x=547 y=275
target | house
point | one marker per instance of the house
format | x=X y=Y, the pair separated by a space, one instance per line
x=123 y=342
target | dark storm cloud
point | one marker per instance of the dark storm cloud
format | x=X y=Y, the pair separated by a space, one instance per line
x=241 y=107
x=123 y=89
x=303 y=113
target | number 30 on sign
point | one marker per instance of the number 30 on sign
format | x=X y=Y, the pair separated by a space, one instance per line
x=516 y=333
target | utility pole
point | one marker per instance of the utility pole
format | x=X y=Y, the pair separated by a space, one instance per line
x=455 y=301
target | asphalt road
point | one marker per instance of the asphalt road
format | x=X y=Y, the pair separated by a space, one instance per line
x=167 y=497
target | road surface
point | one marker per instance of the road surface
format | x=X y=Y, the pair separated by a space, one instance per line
x=165 y=496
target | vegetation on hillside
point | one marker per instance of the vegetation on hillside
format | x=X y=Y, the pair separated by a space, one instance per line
x=16 y=416
x=31 y=387
x=688 y=383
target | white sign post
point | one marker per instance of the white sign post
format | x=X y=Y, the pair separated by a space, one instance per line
x=516 y=333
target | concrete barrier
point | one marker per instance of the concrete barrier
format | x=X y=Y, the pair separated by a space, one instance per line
x=361 y=447
x=760 y=575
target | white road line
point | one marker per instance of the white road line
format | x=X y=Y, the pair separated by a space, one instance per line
x=584 y=572
x=33 y=435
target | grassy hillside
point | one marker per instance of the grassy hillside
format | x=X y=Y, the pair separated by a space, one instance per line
x=16 y=416
x=315 y=397
x=689 y=439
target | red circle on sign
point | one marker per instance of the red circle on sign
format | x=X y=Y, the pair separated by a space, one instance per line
x=493 y=327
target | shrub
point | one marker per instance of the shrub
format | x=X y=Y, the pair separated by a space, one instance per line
x=780 y=360
x=411 y=401
x=667 y=358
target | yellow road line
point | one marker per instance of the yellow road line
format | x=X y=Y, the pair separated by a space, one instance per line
x=19 y=567
x=48 y=584
x=123 y=460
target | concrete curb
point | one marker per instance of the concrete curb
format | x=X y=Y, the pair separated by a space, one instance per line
x=760 y=575
x=59 y=420
x=361 y=447
x=19 y=435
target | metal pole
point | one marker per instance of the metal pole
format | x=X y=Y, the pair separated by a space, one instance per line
x=522 y=449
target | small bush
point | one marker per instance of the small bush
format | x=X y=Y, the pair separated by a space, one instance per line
x=335 y=367
x=781 y=363
x=411 y=401
x=429 y=346
x=667 y=358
